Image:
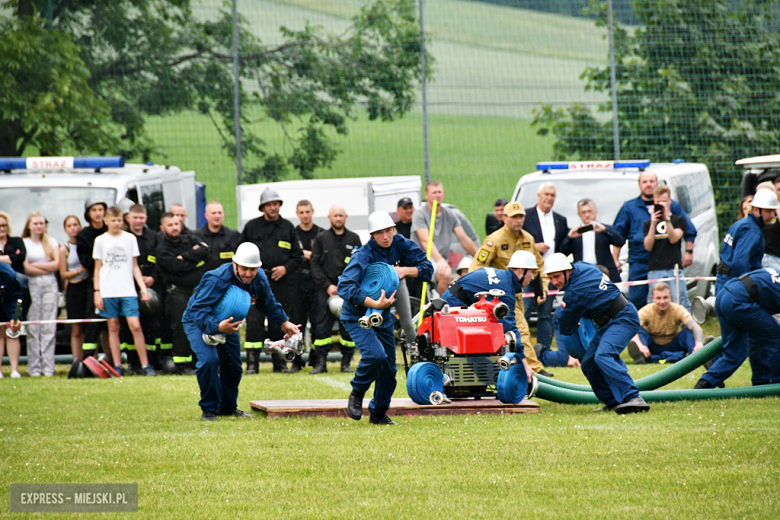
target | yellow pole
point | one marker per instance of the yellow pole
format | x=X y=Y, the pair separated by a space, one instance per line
x=428 y=252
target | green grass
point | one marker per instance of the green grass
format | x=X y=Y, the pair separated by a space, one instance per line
x=709 y=459
x=478 y=158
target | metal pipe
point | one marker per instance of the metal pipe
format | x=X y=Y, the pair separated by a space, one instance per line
x=237 y=94
x=424 y=95
x=613 y=82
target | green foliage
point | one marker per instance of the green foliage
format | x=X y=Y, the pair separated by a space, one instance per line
x=45 y=98
x=153 y=57
x=697 y=81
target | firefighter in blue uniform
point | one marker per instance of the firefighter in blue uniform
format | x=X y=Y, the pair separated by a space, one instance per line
x=743 y=246
x=377 y=344
x=591 y=294
x=219 y=365
x=520 y=272
x=745 y=306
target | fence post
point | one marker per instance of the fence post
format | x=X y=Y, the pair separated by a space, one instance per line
x=424 y=95
x=612 y=82
x=237 y=93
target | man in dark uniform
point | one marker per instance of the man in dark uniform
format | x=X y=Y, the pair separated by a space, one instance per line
x=219 y=365
x=180 y=212
x=147 y=261
x=94 y=212
x=589 y=293
x=180 y=261
x=222 y=240
x=307 y=231
x=282 y=257
x=745 y=306
x=330 y=254
x=403 y=226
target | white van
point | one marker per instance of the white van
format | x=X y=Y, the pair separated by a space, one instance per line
x=611 y=183
x=58 y=187
x=360 y=196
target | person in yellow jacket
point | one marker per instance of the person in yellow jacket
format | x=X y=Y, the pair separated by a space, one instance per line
x=496 y=251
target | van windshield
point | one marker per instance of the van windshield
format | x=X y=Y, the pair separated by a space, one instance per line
x=608 y=194
x=54 y=202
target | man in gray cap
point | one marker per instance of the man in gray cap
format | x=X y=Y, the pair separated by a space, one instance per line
x=282 y=256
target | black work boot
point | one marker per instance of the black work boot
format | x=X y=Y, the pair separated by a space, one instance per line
x=703 y=384
x=635 y=405
x=381 y=420
x=636 y=354
x=346 y=359
x=321 y=360
x=280 y=365
x=252 y=361
x=297 y=364
x=355 y=405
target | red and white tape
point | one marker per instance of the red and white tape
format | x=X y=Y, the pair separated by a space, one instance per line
x=49 y=322
x=641 y=282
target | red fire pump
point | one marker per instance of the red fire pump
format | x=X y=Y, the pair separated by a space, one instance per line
x=467 y=344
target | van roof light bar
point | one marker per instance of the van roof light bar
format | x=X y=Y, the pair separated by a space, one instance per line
x=641 y=164
x=60 y=163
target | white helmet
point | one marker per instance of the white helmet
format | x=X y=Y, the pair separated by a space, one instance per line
x=379 y=220
x=247 y=255
x=522 y=260
x=464 y=263
x=765 y=199
x=556 y=262
x=125 y=204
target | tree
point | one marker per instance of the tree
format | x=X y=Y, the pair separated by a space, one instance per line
x=152 y=57
x=697 y=81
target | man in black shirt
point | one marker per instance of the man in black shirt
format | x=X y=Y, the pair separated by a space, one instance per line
x=663 y=233
x=403 y=226
x=94 y=212
x=181 y=213
x=330 y=254
x=222 y=240
x=282 y=257
x=181 y=261
x=494 y=221
x=307 y=231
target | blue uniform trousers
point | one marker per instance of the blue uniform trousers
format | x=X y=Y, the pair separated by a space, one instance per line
x=738 y=314
x=673 y=352
x=544 y=327
x=218 y=370
x=377 y=363
x=606 y=372
x=574 y=345
x=637 y=294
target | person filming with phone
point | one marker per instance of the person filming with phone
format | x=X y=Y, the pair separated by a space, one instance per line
x=590 y=241
x=663 y=233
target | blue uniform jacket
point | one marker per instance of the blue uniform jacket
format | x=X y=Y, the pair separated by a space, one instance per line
x=485 y=279
x=589 y=293
x=630 y=221
x=402 y=252
x=609 y=237
x=214 y=284
x=743 y=246
x=10 y=290
x=768 y=285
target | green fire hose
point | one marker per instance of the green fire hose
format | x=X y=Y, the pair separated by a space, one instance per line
x=569 y=393
x=661 y=378
x=562 y=395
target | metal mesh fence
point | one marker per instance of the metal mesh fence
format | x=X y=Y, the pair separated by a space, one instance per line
x=513 y=82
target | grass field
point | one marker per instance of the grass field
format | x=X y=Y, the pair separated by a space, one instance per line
x=713 y=459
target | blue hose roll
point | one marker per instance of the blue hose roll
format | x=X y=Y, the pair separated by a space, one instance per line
x=377 y=277
x=512 y=384
x=235 y=302
x=422 y=380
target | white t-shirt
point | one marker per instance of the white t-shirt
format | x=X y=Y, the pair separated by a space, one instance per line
x=35 y=252
x=116 y=273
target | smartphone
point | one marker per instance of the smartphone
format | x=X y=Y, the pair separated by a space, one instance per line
x=657 y=208
x=585 y=229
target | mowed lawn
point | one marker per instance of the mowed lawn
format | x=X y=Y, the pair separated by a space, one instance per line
x=478 y=158
x=710 y=459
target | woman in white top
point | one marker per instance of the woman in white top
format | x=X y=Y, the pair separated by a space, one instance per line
x=73 y=275
x=40 y=265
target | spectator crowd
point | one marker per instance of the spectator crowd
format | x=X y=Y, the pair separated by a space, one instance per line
x=140 y=280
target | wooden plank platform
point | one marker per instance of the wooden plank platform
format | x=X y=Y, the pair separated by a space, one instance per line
x=398 y=407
